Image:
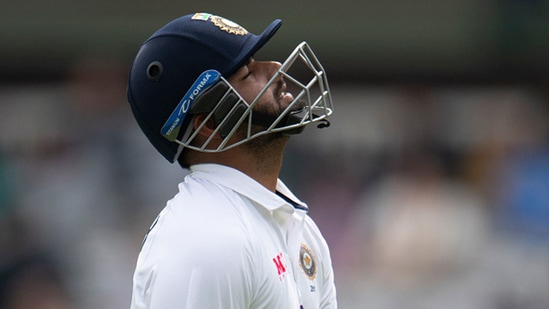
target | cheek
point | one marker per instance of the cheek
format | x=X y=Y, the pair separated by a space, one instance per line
x=249 y=92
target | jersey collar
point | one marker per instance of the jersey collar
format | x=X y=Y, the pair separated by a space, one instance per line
x=244 y=185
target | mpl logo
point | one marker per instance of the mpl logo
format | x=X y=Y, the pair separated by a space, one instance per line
x=280 y=267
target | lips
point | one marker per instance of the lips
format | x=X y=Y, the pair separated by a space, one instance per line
x=284 y=96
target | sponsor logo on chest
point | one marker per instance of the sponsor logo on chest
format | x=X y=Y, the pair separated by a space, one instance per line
x=281 y=268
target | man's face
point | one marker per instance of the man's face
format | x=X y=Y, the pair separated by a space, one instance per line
x=250 y=80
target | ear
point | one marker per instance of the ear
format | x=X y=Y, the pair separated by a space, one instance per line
x=207 y=129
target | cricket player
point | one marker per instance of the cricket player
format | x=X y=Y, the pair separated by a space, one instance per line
x=234 y=236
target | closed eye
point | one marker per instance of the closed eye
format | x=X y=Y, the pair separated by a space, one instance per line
x=247 y=66
x=242 y=73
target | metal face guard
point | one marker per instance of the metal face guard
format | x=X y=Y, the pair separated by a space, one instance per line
x=305 y=79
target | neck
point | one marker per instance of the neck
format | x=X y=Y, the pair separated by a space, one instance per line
x=260 y=159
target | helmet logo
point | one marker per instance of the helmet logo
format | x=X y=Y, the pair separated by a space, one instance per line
x=222 y=23
x=228 y=26
x=171 y=127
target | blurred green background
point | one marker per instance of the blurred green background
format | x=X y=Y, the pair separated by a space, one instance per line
x=494 y=40
x=431 y=186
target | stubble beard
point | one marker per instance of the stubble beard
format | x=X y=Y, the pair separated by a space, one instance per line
x=266 y=143
x=268 y=148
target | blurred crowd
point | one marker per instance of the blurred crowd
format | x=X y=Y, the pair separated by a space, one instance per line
x=429 y=196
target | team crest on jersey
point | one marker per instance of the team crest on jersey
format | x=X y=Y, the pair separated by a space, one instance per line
x=307 y=262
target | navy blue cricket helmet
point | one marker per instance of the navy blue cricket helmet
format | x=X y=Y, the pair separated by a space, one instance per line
x=169 y=62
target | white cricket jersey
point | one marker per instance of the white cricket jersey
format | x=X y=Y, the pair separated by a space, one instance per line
x=225 y=241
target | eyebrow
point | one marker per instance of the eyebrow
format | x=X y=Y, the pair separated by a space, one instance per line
x=245 y=65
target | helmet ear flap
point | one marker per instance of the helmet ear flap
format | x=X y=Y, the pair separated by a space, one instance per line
x=207 y=100
x=226 y=107
x=228 y=114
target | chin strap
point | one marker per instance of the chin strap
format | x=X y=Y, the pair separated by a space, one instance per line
x=324 y=123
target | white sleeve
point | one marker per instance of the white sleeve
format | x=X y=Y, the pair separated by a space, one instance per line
x=328 y=298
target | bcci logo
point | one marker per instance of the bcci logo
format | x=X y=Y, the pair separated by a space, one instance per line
x=228 y=26
x=307 y=262
x=222 y=23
